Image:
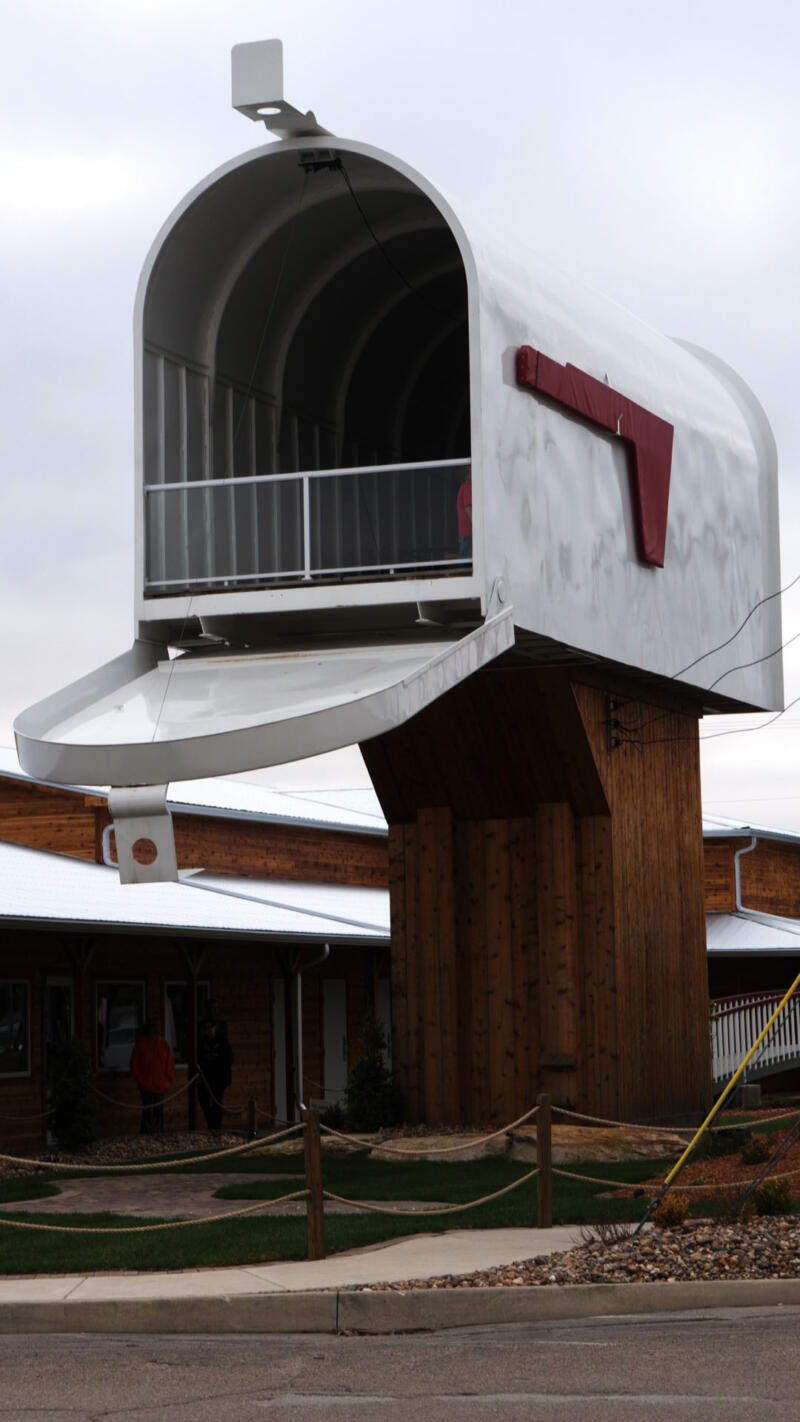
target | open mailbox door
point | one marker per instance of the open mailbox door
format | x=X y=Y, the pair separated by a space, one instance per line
x=147 y=718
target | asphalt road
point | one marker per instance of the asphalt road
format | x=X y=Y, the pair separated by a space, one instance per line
x=738 y=1365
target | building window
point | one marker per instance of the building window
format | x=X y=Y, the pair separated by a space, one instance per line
x=120 y=1014
x=177 y=1018
x=15 y=1036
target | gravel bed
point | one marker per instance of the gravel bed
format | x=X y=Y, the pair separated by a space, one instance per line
x=767 y=1248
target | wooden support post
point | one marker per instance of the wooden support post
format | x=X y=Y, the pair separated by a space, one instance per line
x=314 y=1204
x=252 y=1124
x=544 y=1159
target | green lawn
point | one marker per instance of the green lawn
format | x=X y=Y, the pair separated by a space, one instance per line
x=253 y=1239
x=256 y=1239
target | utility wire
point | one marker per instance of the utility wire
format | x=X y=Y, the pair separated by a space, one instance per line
x=762 y=601
x=401 y=276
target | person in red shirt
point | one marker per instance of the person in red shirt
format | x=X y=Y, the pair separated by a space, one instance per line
x=464 y=515
x=153 y=1070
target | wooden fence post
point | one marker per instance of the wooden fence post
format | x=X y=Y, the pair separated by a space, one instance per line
x=315 y=1213
x=544 y=1160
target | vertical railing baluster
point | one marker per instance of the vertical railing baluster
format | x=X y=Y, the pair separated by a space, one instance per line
x=208 y=493
x=294 y=455
x=254 y=489
x=274 y=492
x=231 y=468
x=162 y=505
x=183 y=465
x=306 y=530
x=315 y=464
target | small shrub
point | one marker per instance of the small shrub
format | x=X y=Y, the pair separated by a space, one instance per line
x=757 y=1150
x=773 y=1197
x=607 y=1232
x=333 y=1116
x=716 y=1143
x=72 y=1098
x=373 y=1097
x=671 y=1212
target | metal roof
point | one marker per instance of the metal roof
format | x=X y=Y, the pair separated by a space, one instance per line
x=751 y=933
x=718 y=827
x=37 y=887
x=354 y=810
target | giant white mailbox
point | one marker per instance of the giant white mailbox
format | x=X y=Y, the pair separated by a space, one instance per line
x=326 y=351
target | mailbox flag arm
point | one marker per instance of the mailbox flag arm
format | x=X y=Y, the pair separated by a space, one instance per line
x=648 y=436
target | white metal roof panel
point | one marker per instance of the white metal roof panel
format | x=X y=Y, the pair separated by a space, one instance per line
x=718 y=827
x=751 y=933
x=357 y=810
x=38 y=887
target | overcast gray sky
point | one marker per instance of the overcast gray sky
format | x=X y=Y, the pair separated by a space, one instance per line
x=648 y=148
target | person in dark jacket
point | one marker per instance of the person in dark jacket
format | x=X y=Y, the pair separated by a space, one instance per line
x=214 y=1061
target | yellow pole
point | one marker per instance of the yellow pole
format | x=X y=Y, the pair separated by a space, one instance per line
x=729 y=1088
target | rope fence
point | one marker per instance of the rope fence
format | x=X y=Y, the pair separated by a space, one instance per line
x=698 y=1185
x=137 y=1166
x=387 y=1148
x=437 y=1209
x=137 y=1105
x=150 y=1229
x=314 y=1194
x=676 y=1130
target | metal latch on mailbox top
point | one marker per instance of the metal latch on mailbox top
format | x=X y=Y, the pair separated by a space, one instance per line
x=144 y=835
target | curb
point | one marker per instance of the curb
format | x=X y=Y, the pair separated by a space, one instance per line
x=247 y=1313
x=390 y=1311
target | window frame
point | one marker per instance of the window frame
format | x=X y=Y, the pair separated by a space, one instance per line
x=182 y=983
x=28 y=1072
x=115 y=982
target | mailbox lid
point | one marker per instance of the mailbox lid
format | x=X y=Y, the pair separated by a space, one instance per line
x=146 y=718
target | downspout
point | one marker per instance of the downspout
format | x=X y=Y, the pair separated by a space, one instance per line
x=737 y=872
x=298 y=977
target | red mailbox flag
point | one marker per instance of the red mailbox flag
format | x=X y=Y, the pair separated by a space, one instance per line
x=648 y=436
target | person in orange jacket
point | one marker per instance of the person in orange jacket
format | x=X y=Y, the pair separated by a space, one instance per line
x=153 y=1070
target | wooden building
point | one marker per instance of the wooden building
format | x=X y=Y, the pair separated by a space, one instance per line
x=81 y=953
x=752 y=891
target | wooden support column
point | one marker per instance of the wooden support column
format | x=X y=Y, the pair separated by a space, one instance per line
x=546 y=897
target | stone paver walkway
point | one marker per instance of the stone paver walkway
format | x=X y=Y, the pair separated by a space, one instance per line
x=175 y=1197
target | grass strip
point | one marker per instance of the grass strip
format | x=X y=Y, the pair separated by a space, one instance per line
x=262 y=1240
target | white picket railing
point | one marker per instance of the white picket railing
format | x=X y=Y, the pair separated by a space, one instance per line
x=735 y=1024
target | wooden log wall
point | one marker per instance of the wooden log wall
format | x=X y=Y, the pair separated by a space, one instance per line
x=770 y=876
x=547 y=904
x=69 y=822
x=239 y=976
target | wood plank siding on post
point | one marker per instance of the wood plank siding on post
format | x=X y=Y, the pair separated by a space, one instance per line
x=576 y=937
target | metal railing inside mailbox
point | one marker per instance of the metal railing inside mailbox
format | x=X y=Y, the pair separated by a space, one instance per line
x=257 y=530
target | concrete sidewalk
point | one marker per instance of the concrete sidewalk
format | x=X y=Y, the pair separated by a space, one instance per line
x=313 y=1297
x=421 y=1257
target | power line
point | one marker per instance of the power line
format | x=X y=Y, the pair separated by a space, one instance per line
x=401 y=276
x=762 y=601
